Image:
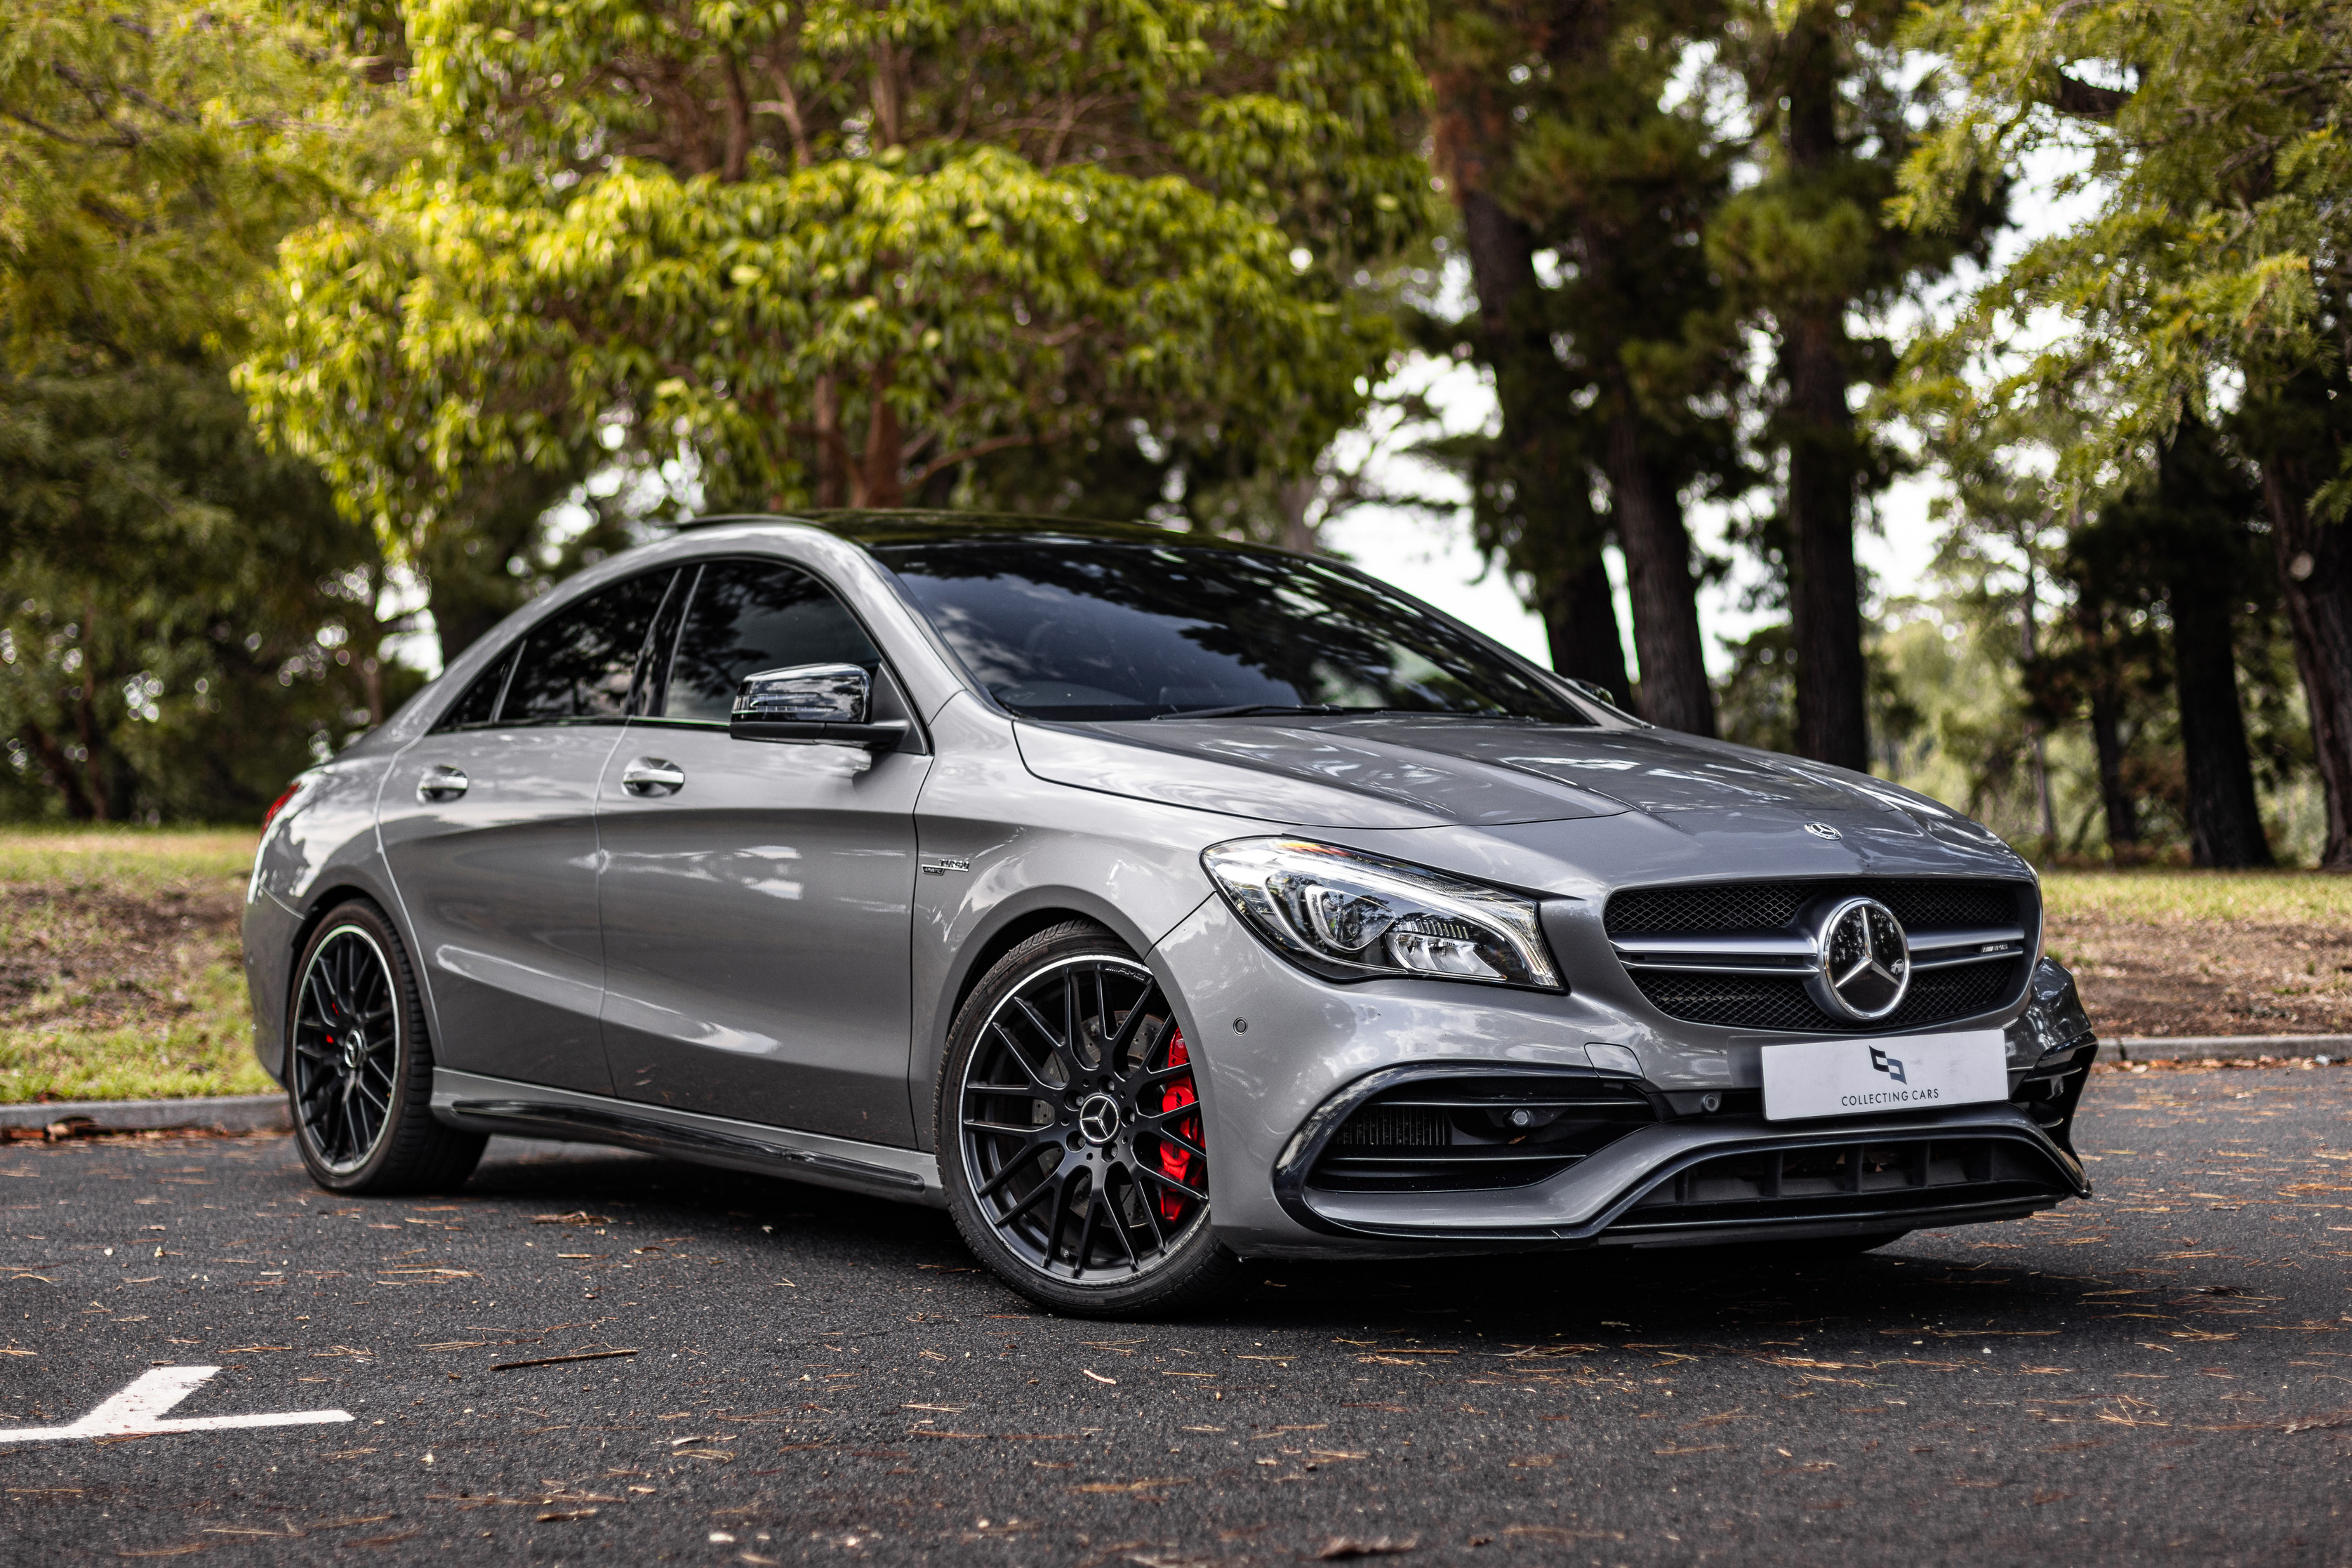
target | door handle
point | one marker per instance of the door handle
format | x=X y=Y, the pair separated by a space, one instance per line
x=649 y=776
x=444 y=783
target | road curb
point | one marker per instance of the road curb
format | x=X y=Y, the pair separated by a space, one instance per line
x=226 y=1113
x=2225 y=1048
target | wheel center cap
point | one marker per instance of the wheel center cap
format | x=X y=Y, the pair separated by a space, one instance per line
x=354 y=1047
x=1098 y=1119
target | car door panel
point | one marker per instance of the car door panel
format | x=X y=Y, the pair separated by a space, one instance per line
x=489 y=828
x=758 y=912
x=500 y=888
x=757 y=929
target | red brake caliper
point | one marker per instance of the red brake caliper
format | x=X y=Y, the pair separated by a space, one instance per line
x=1177 y=1165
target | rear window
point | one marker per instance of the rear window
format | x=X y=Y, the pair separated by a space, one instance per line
x=1080 y=630
x=583 y=664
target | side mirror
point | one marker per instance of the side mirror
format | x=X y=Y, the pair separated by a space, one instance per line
x=809 y=704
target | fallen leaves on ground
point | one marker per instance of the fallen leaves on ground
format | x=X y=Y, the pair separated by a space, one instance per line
x=1343 y=1546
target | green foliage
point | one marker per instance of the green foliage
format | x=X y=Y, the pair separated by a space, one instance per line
x=2211 y=137
x=164 y=583
x=835 y=252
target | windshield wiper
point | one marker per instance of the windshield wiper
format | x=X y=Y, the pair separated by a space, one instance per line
x=1243 y=708
x=1248 y=710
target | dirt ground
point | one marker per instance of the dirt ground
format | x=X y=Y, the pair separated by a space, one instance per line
x=2236 y=977
x=86 y=958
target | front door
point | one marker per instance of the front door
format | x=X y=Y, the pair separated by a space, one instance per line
x=757 y=898
x=488 y=825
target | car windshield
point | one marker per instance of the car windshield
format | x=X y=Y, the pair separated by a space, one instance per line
x=1080 y=628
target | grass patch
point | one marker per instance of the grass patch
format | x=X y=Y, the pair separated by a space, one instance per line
x=120 y=974
x=2170 y=896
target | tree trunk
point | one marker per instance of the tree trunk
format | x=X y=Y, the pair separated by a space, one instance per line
x=1824 y=590
x=2225 y=823
x=2314 y=562
x=1563 y=537
x=1674 y=691
x=1817 y=423
x=2106 y=724
x=877 y=480
x=1580 y=615
x=832 y=451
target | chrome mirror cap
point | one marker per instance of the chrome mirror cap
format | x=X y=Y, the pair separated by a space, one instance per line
x=812 y=704
x=806 y=694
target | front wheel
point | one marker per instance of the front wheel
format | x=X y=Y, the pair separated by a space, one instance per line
x=1070 y=1135
x=359 y=1070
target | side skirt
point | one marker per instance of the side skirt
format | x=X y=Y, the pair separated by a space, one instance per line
x=479 y=1104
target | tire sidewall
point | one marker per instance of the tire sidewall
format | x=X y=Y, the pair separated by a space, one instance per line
x=1194 y=1270
x=362 y=916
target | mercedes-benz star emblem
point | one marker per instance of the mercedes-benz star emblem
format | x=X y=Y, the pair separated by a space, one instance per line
x=1098 y=1119
x=1865 y=967
x=1823 y=830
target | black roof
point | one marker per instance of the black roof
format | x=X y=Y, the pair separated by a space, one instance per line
x=908 y=525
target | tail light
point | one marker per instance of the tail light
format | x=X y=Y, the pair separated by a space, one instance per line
x=279 y=804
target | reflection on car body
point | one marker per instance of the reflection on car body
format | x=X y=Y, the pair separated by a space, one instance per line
x=1149 y=903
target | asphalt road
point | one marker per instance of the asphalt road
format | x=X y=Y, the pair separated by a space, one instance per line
x=2164 y=1373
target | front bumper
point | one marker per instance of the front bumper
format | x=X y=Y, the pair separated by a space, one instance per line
x=1289 y=1057
x=1732 y=1177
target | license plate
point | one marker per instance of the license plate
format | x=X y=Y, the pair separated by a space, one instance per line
x=1858 y=1078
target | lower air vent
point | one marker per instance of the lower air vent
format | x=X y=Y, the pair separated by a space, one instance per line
x=1880 y=1179
x=1477 y=1130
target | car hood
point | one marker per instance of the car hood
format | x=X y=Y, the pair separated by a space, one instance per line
x=1405 y=771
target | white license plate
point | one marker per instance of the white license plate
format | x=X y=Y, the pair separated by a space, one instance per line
x=1858 y=1078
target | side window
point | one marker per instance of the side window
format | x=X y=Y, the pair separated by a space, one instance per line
x=480 y=703
x=583 y=664
x=750 y=616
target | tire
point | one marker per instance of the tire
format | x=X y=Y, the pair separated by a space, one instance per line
x=1069 y=1136
x=359 y=1064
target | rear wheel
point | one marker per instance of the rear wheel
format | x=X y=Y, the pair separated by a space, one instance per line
x=1070 y=1134
x=358 y=1070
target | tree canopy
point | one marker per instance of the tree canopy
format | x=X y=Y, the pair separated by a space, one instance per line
x=831 y=252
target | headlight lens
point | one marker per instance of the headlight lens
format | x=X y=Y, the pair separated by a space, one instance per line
x=1348 y=915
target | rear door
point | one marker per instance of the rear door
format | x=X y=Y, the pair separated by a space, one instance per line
x=489 y=827
x=756 y=911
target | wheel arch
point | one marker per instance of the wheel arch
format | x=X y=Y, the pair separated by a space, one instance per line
x=1007 y=926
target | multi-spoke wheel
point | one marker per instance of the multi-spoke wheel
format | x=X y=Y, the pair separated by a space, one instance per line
x=1070 y=1130
x=358 y=1072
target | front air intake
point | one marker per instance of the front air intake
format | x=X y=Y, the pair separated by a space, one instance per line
x=1473 y=1131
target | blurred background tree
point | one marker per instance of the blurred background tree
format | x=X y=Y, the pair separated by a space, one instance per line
x=186 y=619
x=335 y=329
x=837 y=254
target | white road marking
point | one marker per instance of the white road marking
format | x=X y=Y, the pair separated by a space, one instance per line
x=138 y=1411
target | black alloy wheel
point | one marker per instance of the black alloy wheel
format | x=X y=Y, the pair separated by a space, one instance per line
x=1072 y=1130
x=346 y=1047
x=359 y=1073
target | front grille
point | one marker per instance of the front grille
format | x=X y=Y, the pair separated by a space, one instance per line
x=1700 y=990
x=1769 y=1001
x=1735 y=908
x=1881 y=1178
x=1459 y=1133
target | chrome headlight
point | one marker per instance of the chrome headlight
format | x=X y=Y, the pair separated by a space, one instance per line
x=1348 y=915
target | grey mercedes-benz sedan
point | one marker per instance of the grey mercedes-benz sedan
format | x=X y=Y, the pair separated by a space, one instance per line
x=1149 y=903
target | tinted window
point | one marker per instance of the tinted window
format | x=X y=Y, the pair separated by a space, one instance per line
x=581 y=664
x=750 y=616
x=1085 y=629
x=480 y=703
